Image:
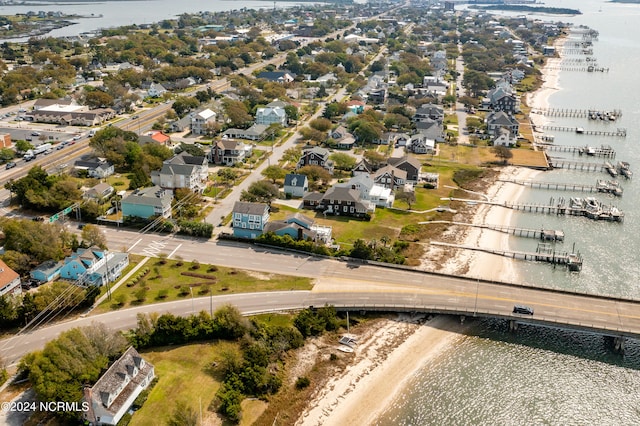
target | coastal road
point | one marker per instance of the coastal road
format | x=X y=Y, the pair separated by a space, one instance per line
x=354 y=286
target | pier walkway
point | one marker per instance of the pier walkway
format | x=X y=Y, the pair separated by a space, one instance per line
x=603 y=151
x=573 y=261
x=611 y=187
x=588 y=207
x=540 y=234
x=619 y=132
x=593 y=114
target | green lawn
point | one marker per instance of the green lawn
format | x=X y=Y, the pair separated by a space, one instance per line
x=165 y=282
x=185 y=374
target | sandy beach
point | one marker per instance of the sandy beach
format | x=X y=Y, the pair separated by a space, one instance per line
x=391 y=354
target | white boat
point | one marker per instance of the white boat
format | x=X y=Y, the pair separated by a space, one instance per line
x=345 y=349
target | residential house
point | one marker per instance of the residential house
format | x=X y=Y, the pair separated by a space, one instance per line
x=99 y=192
x=504 y=138
x=277 y=76
x=316 y=156
x=390 y=177
x=147 y=202
x=342 y=201
x=249 y=219
x=110 y=398
x=393 y=138
x=93 y=266
x=97 y=168
x=369 y=191
x=300 y=227
x=182 y=171
x=46 y=271
x=502 y=98
x=155 y=136
x=9 y=280
x=410 y=165
x=342 y=138
x=430 y=129
x=181 y=125
x=312 y=200
x=271 y=115
x=362 y=167
x=257 y=132
x=296 y=185
x=156 y=90
x=229 y=152
x=420 y=144
x=201 y=122
x=500 y=119
x=429 y=112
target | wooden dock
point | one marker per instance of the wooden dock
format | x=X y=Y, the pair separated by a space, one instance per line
x=593 y=114
x=587 y=207
x=603 y=151
x=611 y=187
x=573 y=261
x=619 y=132
x=583 y=166
x=590 y=68
x=540 y=234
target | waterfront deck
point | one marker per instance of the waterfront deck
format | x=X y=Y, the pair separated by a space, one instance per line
x=611 y=187
x=540 y=234
x=573 y=261
x=619 y=132
x=603 y=151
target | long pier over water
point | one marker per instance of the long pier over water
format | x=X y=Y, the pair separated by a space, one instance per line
x=540 y=234
x=620 y=132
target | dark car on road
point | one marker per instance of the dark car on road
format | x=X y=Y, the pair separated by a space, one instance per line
x=10 y=165
x=520 y=309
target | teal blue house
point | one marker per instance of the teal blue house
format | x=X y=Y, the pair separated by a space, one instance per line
x=46 y=271
x=147 y=202
x=249 y=219
x=93 y=266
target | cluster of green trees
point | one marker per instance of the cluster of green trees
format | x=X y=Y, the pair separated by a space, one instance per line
x=287 y=241
x=76 y=358
x=374 y=251
x=195 y=229
x=43 y=192
x=121 y=148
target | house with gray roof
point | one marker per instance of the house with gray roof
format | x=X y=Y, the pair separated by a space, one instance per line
x=47 y=271
x=147 y=202
x=109 y=399
x=316 y=156
x=410 y=165
x=501 y=119
x=300 y=227
x=229 y=152
x=96 y=168
x=249 y=219
x=271 y=115
x=390 y=177
x=257 y=132
x=342 y=201
x=277 y=76
x=182 y=171
x=296 y=185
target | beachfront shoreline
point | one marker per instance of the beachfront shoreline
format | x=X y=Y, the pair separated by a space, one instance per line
x=379 y=382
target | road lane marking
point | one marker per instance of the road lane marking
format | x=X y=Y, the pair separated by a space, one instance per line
x=134 y=244
x=174 y=250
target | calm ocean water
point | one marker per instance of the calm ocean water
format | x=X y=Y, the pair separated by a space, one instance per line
x=541 y=376
x=110 y=14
